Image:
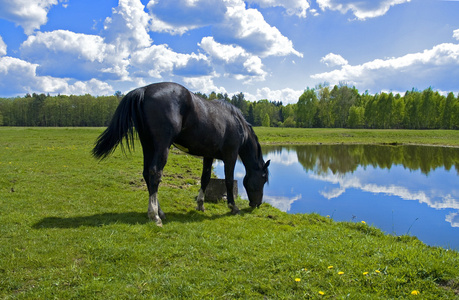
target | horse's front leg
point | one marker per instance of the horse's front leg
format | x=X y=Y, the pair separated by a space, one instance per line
x=205 y=178
x=229 y=181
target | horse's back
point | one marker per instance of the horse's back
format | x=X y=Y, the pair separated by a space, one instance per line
x=203 y=127
x=164 y=105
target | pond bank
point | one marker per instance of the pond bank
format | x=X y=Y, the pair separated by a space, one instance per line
x=277 y=135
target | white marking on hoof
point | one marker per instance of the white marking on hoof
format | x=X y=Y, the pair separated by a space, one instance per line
x=155 y=218
x=200 y=201
x=159 y=223
x=153 y=210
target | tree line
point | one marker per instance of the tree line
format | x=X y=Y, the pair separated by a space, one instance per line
x=340 y=106
x=57 y=111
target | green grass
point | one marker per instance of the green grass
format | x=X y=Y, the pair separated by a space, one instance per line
x=270 y=135
x=74 y=228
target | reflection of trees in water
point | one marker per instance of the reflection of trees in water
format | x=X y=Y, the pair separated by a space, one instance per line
x=341 y=159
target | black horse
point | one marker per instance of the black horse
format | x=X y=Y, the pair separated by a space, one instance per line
x=164 y=114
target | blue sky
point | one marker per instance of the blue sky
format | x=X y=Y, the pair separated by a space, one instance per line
x=266 y=49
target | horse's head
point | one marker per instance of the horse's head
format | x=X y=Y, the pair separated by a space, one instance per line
x=254 y=182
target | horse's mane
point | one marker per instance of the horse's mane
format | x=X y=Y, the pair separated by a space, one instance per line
x=245 y=127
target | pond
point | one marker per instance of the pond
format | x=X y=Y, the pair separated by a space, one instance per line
x=400 y=189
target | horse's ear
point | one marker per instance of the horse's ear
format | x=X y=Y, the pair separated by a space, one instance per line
x=265 y=167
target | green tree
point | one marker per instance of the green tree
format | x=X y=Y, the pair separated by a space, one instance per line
x=263 y=107
x=412 y=118
x=398 y=112
x=356 y=117
x=239 y=101
x=325 y=115
x=266 y=122
x=250 y=117
x=288 y=112
x=446 y=114
x=342 y=98
x=306 y=109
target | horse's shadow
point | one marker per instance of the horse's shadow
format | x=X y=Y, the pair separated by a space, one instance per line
x=133 y=218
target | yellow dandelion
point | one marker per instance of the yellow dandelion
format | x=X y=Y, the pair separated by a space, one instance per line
x=365 y=273
x=330 y=267
x=363 y=222
x=328 y=216
x=297 y=279
x=340 y=273
x=415 y=293
x=304 y=269
x=377 y=271
x=321 y=293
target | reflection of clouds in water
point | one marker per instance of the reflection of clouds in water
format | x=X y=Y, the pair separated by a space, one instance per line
x=453 y=218
x=432 y=198
x=239 y=175
x=282 y=203
x=284 y=157
x=333 y=193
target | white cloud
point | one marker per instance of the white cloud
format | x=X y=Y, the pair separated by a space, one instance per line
x=19 y=76
x=232 y=24
x=235 y=60
x=286 y=95
x=180 y=16
x=292 y=7
x=2 y=47
x=417 y=70
x=123 y=52
x=29 y=14
x=93 y=87
x=456 y=34
x=248 y=29
x=88 y=55
x=158 y=59
x=203 y=84
x=361 y=9
x=332 y=60
x=127 y=29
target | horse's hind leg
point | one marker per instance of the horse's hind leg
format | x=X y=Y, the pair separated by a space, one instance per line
x=205 y=178
x=154 y=163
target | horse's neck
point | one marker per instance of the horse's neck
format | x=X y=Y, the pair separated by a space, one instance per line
x=249 y=153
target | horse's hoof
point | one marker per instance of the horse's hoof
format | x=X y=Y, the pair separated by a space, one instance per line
x=155 y=219
x=200 y=208
x=234 y=209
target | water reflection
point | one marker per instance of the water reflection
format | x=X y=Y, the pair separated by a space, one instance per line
x=400 y=189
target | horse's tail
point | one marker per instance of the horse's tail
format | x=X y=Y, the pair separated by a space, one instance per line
x=126 y=120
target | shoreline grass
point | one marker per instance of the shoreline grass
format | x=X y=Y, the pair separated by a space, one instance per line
x=277 y=135
x=72 y=227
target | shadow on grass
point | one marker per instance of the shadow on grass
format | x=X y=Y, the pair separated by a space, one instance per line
x=133 y=218
x=96 y=220
x=197 y=216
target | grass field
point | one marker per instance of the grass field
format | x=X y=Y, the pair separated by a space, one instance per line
x=72 y=227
